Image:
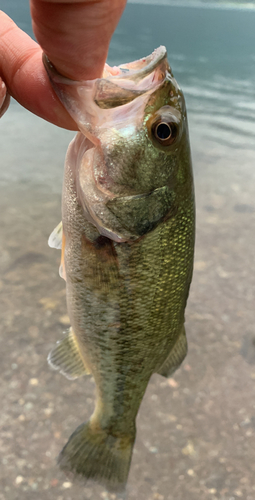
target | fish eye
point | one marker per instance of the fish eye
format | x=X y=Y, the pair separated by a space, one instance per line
x=165 y=127
x=165 y=132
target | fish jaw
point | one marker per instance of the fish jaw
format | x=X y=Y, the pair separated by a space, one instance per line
x=92 y=104
x=92 y=199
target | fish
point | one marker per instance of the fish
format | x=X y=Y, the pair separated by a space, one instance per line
x=127 y=238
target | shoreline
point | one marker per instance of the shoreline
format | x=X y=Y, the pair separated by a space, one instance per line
x=198 y=4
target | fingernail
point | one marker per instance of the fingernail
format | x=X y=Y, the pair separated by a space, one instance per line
x=4 y=98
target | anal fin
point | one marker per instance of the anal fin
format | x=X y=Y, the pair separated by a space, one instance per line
x=176 y=356
x=66 y=358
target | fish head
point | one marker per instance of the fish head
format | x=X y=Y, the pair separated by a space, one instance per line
x=135 y=119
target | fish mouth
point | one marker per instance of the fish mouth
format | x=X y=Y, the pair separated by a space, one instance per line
x=89 y=101
x=120 y=85
x=136 y=70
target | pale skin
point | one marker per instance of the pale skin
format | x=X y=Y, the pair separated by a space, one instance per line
x=74 y=34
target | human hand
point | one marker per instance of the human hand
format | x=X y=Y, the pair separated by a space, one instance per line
x=74 y=34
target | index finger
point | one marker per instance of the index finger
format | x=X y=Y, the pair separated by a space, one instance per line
x=22 y=70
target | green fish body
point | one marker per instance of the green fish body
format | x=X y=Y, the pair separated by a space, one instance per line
x=127 y=251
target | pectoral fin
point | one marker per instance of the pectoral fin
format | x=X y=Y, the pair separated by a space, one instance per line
x=62 y=270
x=66 y=358
x=176 y=356
x=55 y=239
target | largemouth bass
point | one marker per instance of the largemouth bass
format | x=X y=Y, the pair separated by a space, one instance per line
x=127 y=250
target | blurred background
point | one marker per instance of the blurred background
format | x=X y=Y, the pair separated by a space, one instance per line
x=195 y=436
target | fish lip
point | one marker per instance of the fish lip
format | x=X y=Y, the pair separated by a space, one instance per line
x=54 y=75
x=147 y=65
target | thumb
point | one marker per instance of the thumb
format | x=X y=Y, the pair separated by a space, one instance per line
x=75 y=34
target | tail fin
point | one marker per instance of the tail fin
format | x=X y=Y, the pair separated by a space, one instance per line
x=94 y=454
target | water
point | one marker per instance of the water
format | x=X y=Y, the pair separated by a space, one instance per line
x=212 y=56
x=208 y=417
